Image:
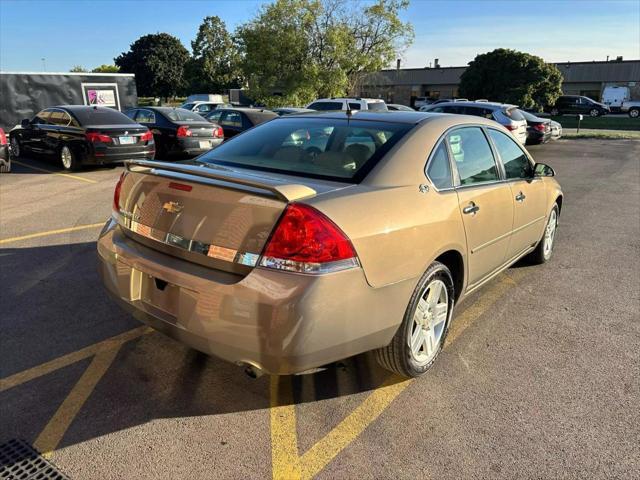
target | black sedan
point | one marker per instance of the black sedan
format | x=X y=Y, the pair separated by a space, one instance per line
x=177 y=132
x=237 y=120
x=538 y=129
x=77 y=134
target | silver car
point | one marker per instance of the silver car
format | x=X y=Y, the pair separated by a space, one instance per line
x=506 y=115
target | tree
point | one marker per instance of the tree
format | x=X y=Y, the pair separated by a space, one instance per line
x=304 y=49
x=509 y=76
x=158 y=61
x=78 y=69
x=215 y=66
x=106 y=69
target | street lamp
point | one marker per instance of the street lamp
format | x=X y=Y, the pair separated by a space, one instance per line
x=44 y=65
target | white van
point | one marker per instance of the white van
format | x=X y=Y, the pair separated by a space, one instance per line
x=614 y=96
x=355 y=103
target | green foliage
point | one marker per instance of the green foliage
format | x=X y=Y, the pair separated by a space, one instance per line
x=158 y=61
x=215 y=66
x=106 y=69
x=78 y=69
x=307 y=49
x=509 y=76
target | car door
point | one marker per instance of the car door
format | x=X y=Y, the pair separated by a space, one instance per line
x=485 y=201
x=231 y=123
x=32 y=137
x=52 y=139
x=528 y=193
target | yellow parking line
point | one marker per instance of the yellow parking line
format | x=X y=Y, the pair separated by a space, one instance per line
x=73 y=357
x=53 y=432
x=51 y=232
x=286 y=462
x=68 y=175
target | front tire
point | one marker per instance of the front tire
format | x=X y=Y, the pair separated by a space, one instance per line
x=419 y=340
x=16 y=148
x=544 y=249
x=634 y=113
x=594 y=112
x=68 y=159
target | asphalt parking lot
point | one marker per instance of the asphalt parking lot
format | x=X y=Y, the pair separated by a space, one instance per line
x=539 y=377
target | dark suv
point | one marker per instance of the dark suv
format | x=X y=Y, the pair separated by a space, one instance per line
x=577 y=104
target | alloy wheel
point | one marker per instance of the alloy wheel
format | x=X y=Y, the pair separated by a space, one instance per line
x=429 y=322
x=594 y=112
x=634 y=113
x=66 y=157
x=15 y=147
x=550 y=233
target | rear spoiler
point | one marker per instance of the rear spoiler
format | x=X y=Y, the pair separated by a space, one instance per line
x=287 y=191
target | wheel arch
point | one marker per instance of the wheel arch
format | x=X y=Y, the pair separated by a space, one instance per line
x=454 y=261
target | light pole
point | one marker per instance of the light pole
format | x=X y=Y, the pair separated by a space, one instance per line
x=44 y=65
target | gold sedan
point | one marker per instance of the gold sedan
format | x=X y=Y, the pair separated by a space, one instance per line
x=315 y=237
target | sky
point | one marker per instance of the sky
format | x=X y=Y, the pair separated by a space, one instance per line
x=92 y=32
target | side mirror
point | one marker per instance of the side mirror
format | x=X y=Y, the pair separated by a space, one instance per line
x=543 y=170
x=25 y=123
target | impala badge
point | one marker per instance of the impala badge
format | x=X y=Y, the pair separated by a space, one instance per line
x=172 y=207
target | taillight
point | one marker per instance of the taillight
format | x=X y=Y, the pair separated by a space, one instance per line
x=184 y=131
x=218 y=132
x=146 y=136
x=94 y=137
x=3 y=137
x=116 y=194
x=511 y=127
x=306 y=241
x=540 y=127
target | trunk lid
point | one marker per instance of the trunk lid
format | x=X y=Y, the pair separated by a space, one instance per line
x=216 y=216
x=121 y=135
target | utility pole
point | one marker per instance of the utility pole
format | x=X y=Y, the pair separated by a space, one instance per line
x=44 y=65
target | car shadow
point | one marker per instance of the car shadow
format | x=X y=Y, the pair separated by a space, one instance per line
x=53 y=304
x=45 y=166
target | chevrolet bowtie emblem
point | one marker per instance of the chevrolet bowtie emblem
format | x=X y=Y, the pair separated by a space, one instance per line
x=172 y=207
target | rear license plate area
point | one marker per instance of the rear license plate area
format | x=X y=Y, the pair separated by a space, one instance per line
x=205 y=144
x=160 y=294
x=127 y=140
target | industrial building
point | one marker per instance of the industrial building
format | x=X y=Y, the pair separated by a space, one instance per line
x=403 y=85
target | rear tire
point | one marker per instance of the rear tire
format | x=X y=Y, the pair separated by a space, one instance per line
x=68 y=159
x=634 y=112
x=425 y=325
x=544 y=249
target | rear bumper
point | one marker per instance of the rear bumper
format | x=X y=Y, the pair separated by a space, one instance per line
x=281 y=323
x=193 y=146
x=112 y=157
x=535 y=137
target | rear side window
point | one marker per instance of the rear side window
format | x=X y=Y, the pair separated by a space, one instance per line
x=478 y=112
x=334 y=149
x=516 y=163
x=145 y=116
x=377 y=106
x=231 y=119
x=42 y=118
x=182 y=115
x=326 y=106
x=204 y=108
x=472 y=155
x=215 y=115
x=354 y=106
x=101 y=116
x=439 y=169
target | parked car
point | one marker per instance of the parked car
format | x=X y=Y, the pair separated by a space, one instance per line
x=613 y=96
x=204 y=107
x=632 y=107
x=78 y=135
x=556 y=130
x=237 y=120
x=398 y=107
x=422 y=101
x=283 y=262
x=507 y=115
x=538 y=129
x=5 y=158
x=290 y=110
x=577 y=104
x=357 y=103
x=177 y=131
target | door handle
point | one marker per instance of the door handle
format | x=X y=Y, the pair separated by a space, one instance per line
x=520 y=197
x=472 y=208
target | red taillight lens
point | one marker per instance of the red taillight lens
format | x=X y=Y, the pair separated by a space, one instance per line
x=94 y=137
x=511 y=127
x=218 y=132
x=116 y=194
x=3 y=137
x=184 y=132
x=146 y=136
x=306 y=241
x=540 y=127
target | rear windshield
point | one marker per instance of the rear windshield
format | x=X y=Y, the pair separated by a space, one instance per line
x=325 y=106
x=333 y=149
x=514 y=114
x=377 y=106
x=182 y=115
x=101 y=116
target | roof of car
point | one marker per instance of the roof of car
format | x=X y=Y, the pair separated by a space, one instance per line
x=76 y=108
x=380 y=116
x=475 y=104
x=252 y=113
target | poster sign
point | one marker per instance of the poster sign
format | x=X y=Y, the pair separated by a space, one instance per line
x=101 y=94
